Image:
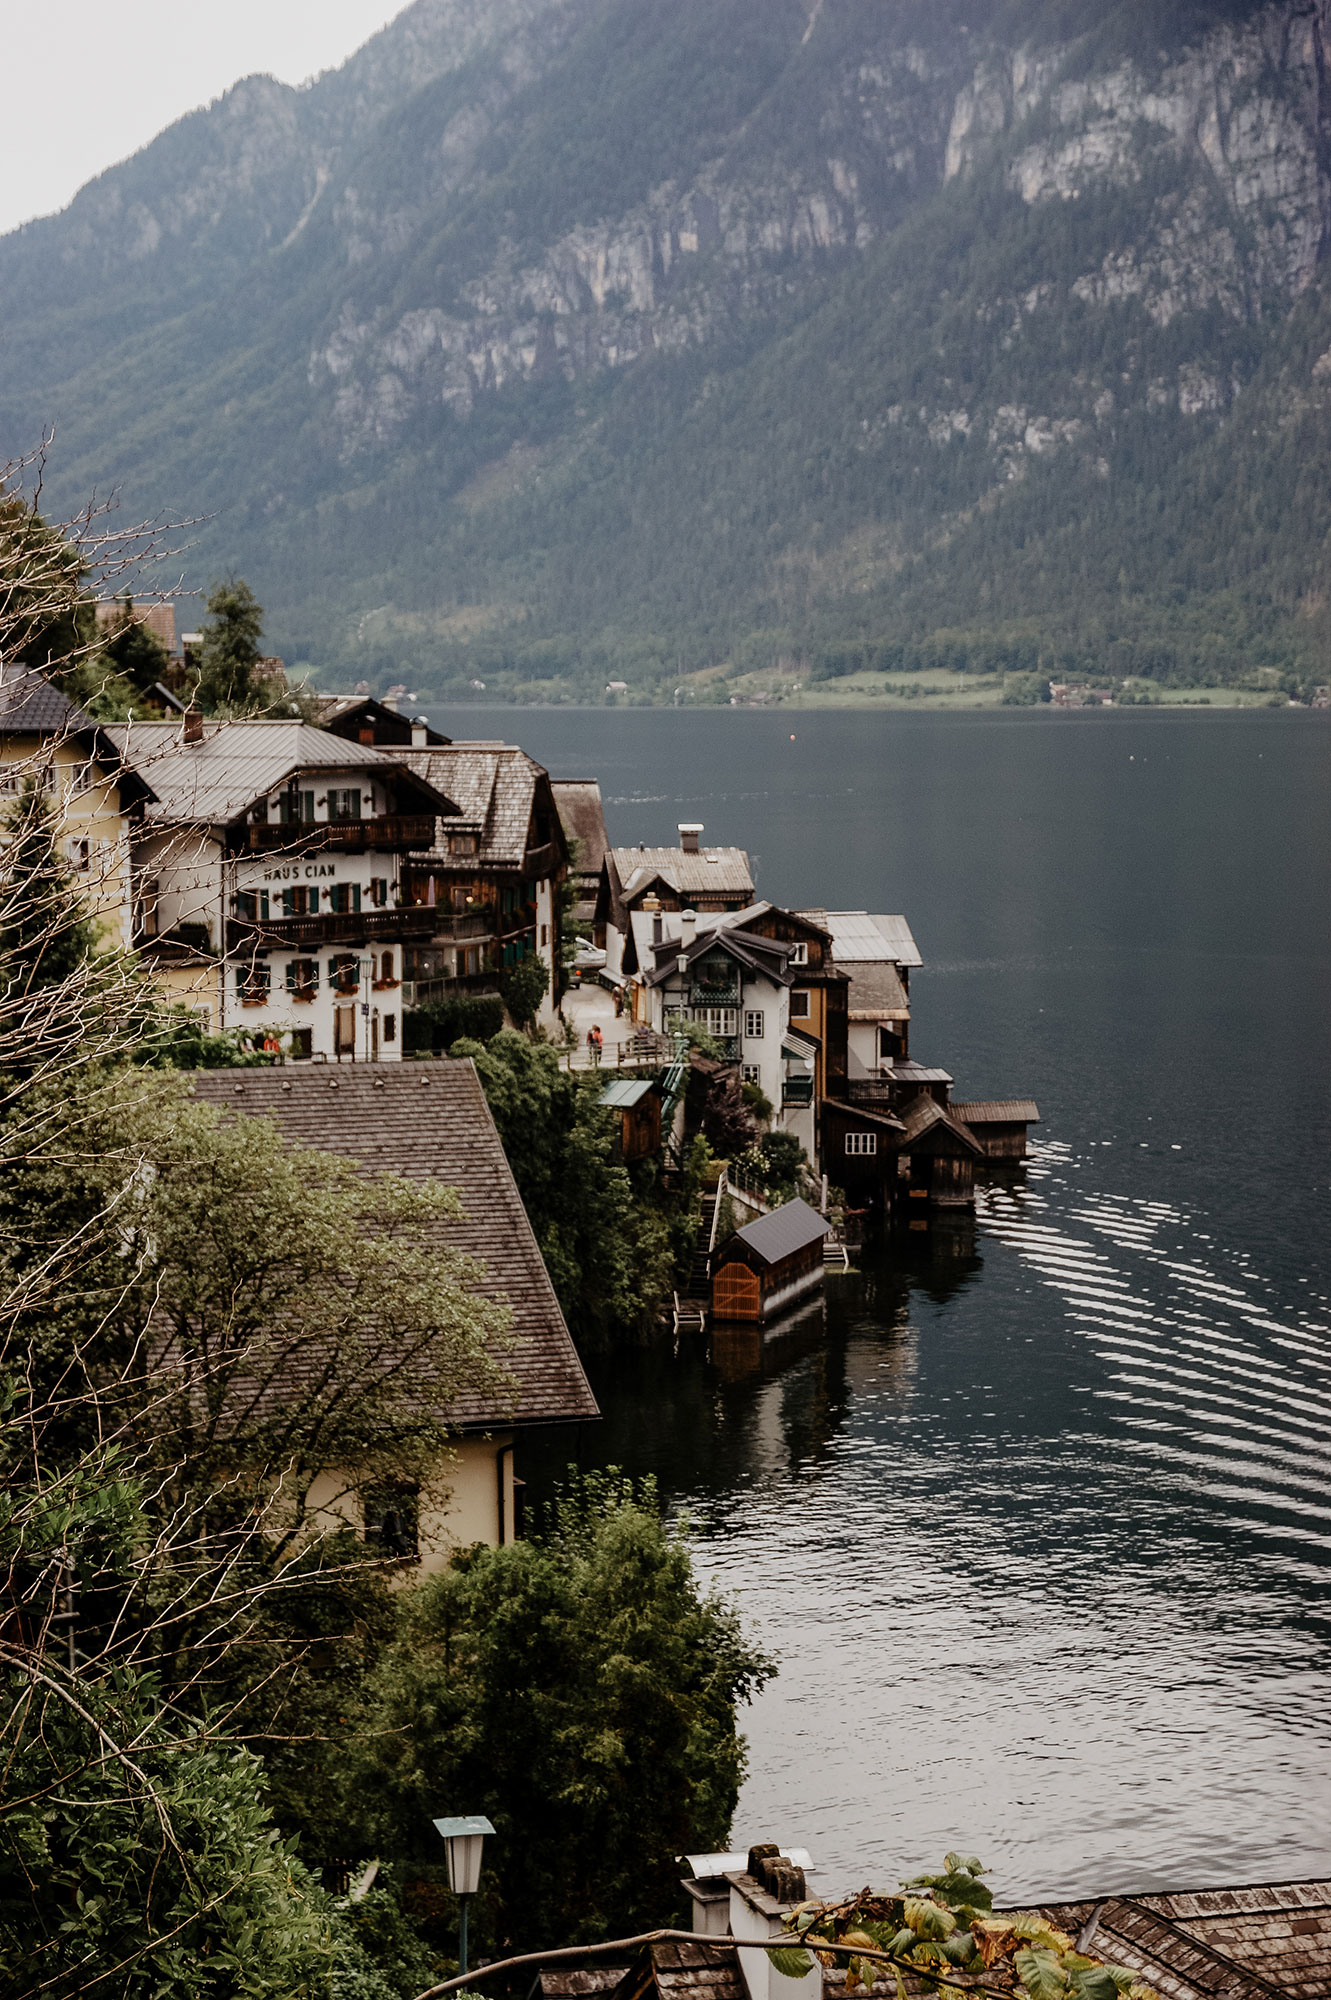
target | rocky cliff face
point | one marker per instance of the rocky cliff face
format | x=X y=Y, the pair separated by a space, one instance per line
x=909 y=258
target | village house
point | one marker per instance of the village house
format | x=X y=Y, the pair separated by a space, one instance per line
x=485 y=889
x=878 y=954
x=769 y=1264
x=360 y=718
x=97 y=801
x=705 y=879
x=268 y=879
x=431 y=1121
x=736 y=984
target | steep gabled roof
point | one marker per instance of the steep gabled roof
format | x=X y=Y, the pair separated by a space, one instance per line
x=494 y=786
x=1245 y=1943
x=217 y=779
x=924 y=1115
x=716 y=930
x=31 y=705
x=430 y=1121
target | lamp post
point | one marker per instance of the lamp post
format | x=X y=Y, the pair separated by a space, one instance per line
x=463 y=1840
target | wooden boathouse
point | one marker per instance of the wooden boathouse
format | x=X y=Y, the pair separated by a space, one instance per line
x=999 y=1124
x=770 y=1263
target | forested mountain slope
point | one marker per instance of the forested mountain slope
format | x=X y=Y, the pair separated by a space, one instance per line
x=576 y=339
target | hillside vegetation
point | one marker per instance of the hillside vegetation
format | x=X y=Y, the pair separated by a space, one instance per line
x=557 y=341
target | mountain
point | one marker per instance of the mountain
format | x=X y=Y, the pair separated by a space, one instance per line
x=551 y=341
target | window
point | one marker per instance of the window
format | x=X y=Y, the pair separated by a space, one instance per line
x=390 y=1027
x=79 y=853
x=82 y=779
x=862 y=1143
x=799 y=954
x=379 y=892
x=753 y=1025
x=302 y=1044
x=148 y=891
x=719 y=1021
x=889 y=1045
x=300 y=902
x=344 y=972
x=344 y=805
x=383 y=970
x=296 y=807
x=545 y=934
x=390 y=1521
x=251 y=905
x=462 y=843
x=16 y=778
x=303 y=978
x=799 y=1005
x=751 y=1073
x=252 y=983
x=343 y=898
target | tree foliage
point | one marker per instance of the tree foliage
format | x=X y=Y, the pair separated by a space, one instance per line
x=579 y=1689
x=608 y=1251
x=230 y=655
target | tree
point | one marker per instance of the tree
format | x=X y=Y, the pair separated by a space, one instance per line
x=133 y=651
x=524 y=986
x=46 y=935
x=605 y=1242
x=231 y=635
x=580 y=1689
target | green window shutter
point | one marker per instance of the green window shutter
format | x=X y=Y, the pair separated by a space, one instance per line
x=263 y=904
x=353 y=806
x=355 y=887
x=314 y=902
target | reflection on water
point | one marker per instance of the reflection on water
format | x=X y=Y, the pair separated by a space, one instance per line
x=1039 y=1525
x=1040 y=1528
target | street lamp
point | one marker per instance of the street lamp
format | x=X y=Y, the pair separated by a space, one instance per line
x=463 y=1840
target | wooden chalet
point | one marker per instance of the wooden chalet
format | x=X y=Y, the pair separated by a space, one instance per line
x=1000 y=1124
x=769 y=1264
x=361 y=719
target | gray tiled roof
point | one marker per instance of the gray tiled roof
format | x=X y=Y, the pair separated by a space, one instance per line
x=783 y=1231
x=718 y=871
x=430 y=1121
x=31 y=705
x=876 y=992
x=494 y=787
x=219 y=778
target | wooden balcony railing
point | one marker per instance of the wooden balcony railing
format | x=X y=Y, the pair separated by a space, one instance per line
x=342 y=927
x=388 y=830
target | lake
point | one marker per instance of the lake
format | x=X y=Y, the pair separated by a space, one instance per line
x=1039 y=1525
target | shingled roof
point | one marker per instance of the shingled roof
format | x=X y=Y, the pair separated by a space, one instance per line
x=582 y=816
x=1242 y=1944
x=717 y=871
x=430 y=1121
x=494 y=786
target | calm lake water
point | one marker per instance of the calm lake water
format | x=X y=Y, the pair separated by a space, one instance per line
x=1040 y=1527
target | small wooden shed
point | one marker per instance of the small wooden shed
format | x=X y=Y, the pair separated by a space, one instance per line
x=637 y=1101
x=941 y=1153
x=769 y=1263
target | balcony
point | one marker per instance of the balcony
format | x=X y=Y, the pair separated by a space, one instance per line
x=309 y=837
x=349 y=927
x=714 y=996
x=449 y=926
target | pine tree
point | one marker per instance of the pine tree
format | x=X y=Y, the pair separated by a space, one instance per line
x=231 y=653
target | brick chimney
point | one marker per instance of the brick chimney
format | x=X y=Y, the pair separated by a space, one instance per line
x=191 y=729
x=690 y=835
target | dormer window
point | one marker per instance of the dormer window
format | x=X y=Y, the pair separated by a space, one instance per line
x=799 y=954
x=463 y=843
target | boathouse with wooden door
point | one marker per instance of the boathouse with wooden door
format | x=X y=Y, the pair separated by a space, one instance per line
x=769 y=1264
x=938 y=1154
x=1000 y=1124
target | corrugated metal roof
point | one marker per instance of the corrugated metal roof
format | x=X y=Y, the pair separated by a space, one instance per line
x=858 y=937
x=998 y=1111
x=784 y=1231
x=913 y=1072
x=220 y=777
x=626 y=1091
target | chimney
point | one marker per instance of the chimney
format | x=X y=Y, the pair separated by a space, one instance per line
x=690 y=834
x=688 y=927
x=658 y=929
x=389 y=701
x=192 y=726
x=420 y=732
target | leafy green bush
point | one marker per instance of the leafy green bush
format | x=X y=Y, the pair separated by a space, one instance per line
x=434 y=1027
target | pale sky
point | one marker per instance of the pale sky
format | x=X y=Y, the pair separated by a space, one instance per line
x=89 y=83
